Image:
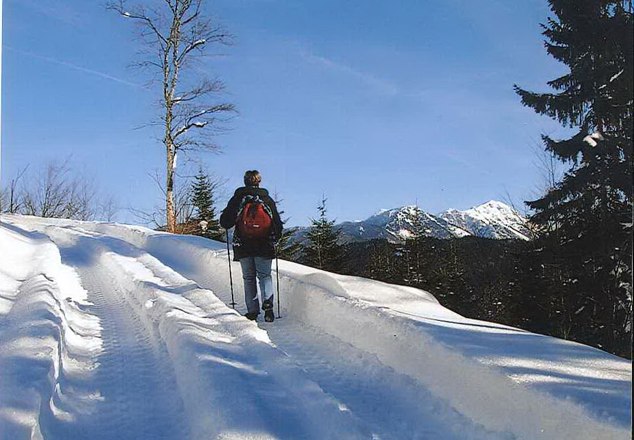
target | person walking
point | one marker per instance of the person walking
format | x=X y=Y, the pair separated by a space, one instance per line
x=258 y=227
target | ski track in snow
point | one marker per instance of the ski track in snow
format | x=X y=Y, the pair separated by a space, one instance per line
x=139 y=388
x=138 y=397
x=175 y=363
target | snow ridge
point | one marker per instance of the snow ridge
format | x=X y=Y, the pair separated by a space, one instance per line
x=493 y=219
x=490 y=220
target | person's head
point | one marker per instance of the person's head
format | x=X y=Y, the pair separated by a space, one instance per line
x=252 y=178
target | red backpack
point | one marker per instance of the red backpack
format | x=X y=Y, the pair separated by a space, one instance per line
x=254 y=220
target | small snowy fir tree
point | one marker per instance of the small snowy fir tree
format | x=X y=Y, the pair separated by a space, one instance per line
x=322 y=249
x=585 y=221
x=202 y=198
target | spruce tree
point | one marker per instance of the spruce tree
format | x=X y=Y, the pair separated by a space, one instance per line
x=322 y=249
x=288 y=247
x=202 y=198
x=585 y=221
x=414 y=246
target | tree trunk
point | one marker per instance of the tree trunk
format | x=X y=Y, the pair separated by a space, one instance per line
x=169 y=191
x=170 y=79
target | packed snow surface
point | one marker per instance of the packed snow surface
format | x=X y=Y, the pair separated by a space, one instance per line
x=118 y=332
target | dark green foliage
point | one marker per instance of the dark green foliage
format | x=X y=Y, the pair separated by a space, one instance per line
x=322 y=249
x=287 y=247
x=412 y=249
x=581 y=259
x=202 y=199
x=475 y=277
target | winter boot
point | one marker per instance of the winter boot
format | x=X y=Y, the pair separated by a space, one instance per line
x=251 y=316
x=267 y=306
x=269 y=316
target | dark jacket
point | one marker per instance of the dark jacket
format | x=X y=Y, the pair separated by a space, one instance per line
x=264 y=247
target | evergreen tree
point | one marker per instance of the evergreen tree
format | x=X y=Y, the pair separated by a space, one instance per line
x=288 y=247
x=322 y=249
x=204 y=219
x=413 y=249
x=383 y=262
x=585 y=221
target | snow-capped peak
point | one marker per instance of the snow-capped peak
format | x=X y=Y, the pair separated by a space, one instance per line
x=492 y=219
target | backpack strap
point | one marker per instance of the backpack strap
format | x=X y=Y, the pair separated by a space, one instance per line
x=255 y=199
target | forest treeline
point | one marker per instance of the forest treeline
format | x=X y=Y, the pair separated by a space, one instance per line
x=505 y=281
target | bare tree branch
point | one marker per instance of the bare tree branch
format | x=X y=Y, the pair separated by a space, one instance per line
x=138 y=14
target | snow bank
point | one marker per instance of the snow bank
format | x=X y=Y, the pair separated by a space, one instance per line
x=47 y=340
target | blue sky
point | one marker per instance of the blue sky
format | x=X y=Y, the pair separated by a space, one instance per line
x=375 y=104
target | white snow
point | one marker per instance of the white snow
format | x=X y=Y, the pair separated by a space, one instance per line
x=116 y=331
x=592 y=139
x=615 y=76
x=492 y=219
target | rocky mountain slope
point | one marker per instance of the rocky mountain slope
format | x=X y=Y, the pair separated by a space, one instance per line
x=493 y=219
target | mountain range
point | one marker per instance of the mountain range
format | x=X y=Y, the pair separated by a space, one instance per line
x=492 y=219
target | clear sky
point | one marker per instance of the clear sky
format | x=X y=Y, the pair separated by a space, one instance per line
x=374 y=103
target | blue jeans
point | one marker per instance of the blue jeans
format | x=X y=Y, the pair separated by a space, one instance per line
x=252 y=266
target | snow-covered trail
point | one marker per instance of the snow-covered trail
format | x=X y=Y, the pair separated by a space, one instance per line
x=138 y=385
x=135 y=378
x=508 y=380
x=392 y=405
x=167 y=369
x=118 y=323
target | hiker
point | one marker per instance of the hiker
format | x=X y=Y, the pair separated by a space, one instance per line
x=257 y=228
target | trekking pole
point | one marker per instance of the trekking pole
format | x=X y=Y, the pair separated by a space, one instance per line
x=233 y=303
x=277 y=274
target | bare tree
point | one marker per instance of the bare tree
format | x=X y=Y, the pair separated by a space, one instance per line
x=183 y=208
x=11 y=198
x=549 y=168
x=56 y=192
x=175 y=34
x=107 y=208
